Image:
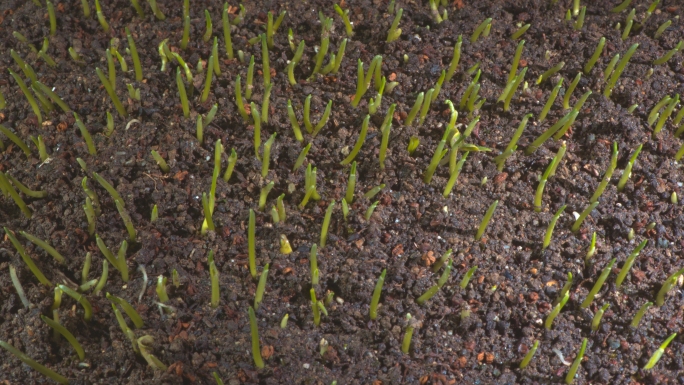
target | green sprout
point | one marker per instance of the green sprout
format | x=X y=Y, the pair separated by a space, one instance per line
x=552 y=225
x=161 y=162
x=29 y=97
x=252 y=243
x=313 y=264
x=374 y=104
x=119 y=262
x=238 y=99
x=580 y=19
x=128 y=308
x=314 y=307
x=665 y=115
x=597 y=286
x=336 y=61
x=207 y=79
x=530 y=354
x=301 y=157
x=434 y=289
x=667 y=285
x=373 y=312
x=309 y=187
x=272 y=28
x=261 y=287
x=293 y=121
x=595 y=56
x=232 y=159
x=208 y=27
x=267 y=155
x=501 y=159
x=582 y=216
x=466 y=278
x=668 y=55
x=323 y=50
x=136 y=6
x=17 y=285
x=374 y=191
x=295 y=59
x=628 y=24
x=520 y=31
x=8 y=189
x=480 y=28
x=639 y=314
x=92 y=195
x=44 y=245
x=628 y=263
x=618 y=70
x=514 y=65
x=175 y=278
x=103 y=278
x=596 y=321
x=133 y=93
x=406 y=342
x=454 y=175
x=14 y=138
x=571 y=88
x=427 y=101
x=576 y=363
x=326 y=223
x=25 y=257
x=161 y=289
x=621 y=7
x=628 y=169
x=86 y=135
x=394 y=32
x=100 y=17
x=112 y=94
x=67 y=335
x=226 y=30
x=550 y=72
x=257 y=129
x=359 y=142
x=21 y=187
x=659 y=352
x=344 y=14
x=542 y=181
x=436 y=158
x=145 y=341
x=455 y=58
x=183 y=94
x=90 y=215
x=414 y=111
x=87 y=308
x=414 y=142
x=370 y=210
x=659 y=32
x=214 y=277
x=125 y=329
x=127 y=220
x=606 y=177
x=111 y=68
x=33 y=364
x=555 y=311
x=569 y=117
x=485 y=220
x=155 y=9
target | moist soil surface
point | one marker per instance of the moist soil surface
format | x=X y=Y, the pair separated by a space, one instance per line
x=476 y=335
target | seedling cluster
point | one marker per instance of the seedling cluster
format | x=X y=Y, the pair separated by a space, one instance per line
x=441 y=162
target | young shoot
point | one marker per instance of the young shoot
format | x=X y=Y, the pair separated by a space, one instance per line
x=359 y=142
x=406 y=342
x=555 y=311
x=668 y=55
x=26 y=258
x=597 y=286
x=552 y=225
x=530 y=354
x=455 y=58
x=606 y=177
x=595 y=56
x=628 y=170
x=568 y=118
x=618 y=70
x=370 y=210
x=261 y=288
x=570 y=377
x=640 y=314
x=394 y=31
x=480 y=28
x=87 y=308
x=326 y=223
x=33 y=364
x=67 y=335
x=44 y=245
x=659 y=352
x=550 y=72
x=667 y=285
x=596 y=321
x=434 y=289
x=8 y=189
x=344 y=14
x=485 y=220
x=628 y=263
x=252 y=243
x=373 y=313
x=214 y=278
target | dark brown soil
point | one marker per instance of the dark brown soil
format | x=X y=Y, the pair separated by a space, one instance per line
x=510 y=294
